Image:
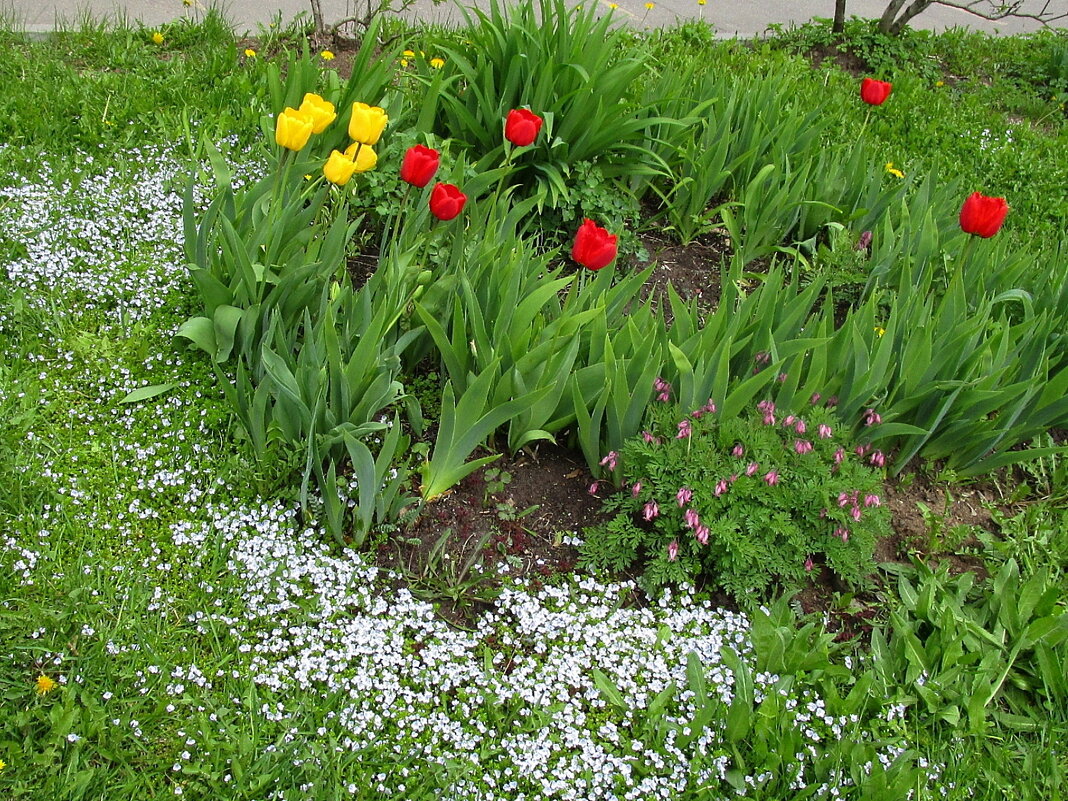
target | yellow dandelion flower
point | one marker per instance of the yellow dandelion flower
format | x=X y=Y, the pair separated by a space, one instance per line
x=45 y=685
x=650 y=6
x=157 y=37
x=879 y=330
x=250 y=53
x=437 y=63
x=2 y=764
x=613 y=6
x=408 y=54
x=327 y=55
x=890 y=168
x=701 y=2
x=940 y=83
x=187 y=3
x=404 y=62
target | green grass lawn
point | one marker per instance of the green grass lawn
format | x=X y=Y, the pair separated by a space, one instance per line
x=180 y=615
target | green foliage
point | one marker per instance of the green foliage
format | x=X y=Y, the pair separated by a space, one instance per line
x=817 y=723
x=883 y=54
x=317 y=363
x=965 y=652
x=565 y=64
x=743 y=502
x=100 y=84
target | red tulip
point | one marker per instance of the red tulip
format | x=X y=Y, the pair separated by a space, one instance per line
x=982 y=215
x=594 y=247
x=521 y=127
x=446 y=201
x=874 y=92
x=419 y=165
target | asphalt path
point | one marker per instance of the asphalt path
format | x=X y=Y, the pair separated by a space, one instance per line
x=744 y=18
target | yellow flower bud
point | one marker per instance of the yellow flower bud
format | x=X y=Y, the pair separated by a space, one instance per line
x=363 y=156
x=339 y=168
x=292 y=129
x=367 y=123
x=321 y=112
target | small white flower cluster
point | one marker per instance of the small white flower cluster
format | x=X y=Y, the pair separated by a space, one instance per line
x=25 y=560
x=515 y=699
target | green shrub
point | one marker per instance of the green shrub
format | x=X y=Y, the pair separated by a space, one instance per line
x=744 y=502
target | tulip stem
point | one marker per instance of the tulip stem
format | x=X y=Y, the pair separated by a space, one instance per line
x=864 y=126
x=966 y=251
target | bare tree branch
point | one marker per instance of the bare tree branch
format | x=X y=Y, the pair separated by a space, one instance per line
x=1010 y=9
x=898 y=13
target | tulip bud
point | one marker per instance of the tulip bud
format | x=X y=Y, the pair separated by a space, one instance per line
x=319 y=111
x=446 y=201
x=419 y=165
x=339 y=168
x=521 y=127
x=874 y=92
x=367 y=123
x=292 y=129
x=982 y=216
x=363 y=156
x=594 y=247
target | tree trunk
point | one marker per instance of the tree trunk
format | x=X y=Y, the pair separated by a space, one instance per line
x=320 y=36
x=839 y=16
x=886 y=22
x=916 y=7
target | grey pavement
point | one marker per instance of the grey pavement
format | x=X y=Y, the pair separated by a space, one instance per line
x=745 y=18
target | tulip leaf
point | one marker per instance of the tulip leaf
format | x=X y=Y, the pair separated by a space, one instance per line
x=201 y=332
x=144 y=393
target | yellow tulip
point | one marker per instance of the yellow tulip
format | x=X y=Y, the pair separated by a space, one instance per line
x=292 y=129
x=339 y=168
x=363 y=156
x=321 y=112
x=367 y=123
